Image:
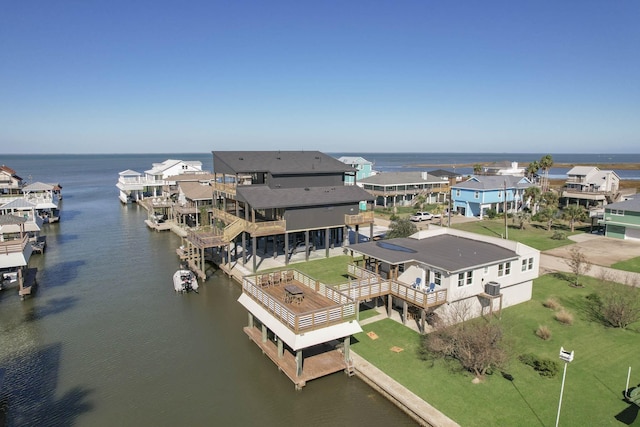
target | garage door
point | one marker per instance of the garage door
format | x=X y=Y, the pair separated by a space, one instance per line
x=632 y=233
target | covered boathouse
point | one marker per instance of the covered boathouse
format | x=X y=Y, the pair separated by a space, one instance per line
x=303 y=325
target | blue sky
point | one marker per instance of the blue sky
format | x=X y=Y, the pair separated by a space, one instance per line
x=144 y=76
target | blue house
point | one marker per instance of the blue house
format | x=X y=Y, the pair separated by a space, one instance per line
x=363 y=166
x=477 y=195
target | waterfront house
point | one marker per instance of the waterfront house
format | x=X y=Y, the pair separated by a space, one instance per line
x=134 y=186
x=478 y=194
x=363 y=167
x=45 y=197
x=10 y=182
x=194 y=201
x=503 y=168
x=278 y=203
x=443 y=174
x=446 y=271
x=15 y=251
x=621 y=220
x=303 y=325
x=404 y=188
x=589 y=186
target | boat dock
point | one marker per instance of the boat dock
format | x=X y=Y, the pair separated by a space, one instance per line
x=29 y=282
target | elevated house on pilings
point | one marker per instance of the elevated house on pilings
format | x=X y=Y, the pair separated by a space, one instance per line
x=277 y=203
x=308 y=335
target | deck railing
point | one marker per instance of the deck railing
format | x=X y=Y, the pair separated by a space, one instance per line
x=224 y=188
x=344 y=309
x=361 y=218
x=13 y=246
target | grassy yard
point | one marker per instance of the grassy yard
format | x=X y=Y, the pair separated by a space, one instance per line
x=632 y=264
x=595 y=379
x=534 y=235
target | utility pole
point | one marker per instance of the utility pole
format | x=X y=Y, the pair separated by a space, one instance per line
x=506 y=228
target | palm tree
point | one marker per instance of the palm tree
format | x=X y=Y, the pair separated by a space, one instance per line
x=545 y=164
x=477 y=168
x=523 y=218
x=548 y=214
x=532 y=195
x=439 y=210
x=532 y=170
x=550 y=199
x=574 y=213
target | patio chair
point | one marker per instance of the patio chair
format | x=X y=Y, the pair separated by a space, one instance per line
x=416 y=284
x=432 y=287
x=276 y=279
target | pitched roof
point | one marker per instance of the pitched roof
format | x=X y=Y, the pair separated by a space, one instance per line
x=494 y=182
x=396 y=178
x=39 y=186
x=194 y=190
x=130 y=172
x=264 y=197
x=19 y=203
x=582 y=170
x=444 y=173
x=157 y=168
x=11 y=220
x=443 y=252
x=354 y=160
x=281 y=162
x=627 y=205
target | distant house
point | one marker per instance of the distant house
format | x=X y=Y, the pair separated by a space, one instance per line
x=455 y=267
x=445 y=174
x=480 y=193
x=10 y=182
x=503 y=168
x=134 y=186
x=402 y=188
x=621 y=220
x=363 y=167
x=589 y=186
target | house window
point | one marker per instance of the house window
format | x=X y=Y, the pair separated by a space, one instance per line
x=486 y=270
x=530 y=267
x=504 y=269
x=457 y=193
x=437 y=278
x=465 y=278
x=524 y=265
x=499 y=194
x=617 y=212
x=476 y=195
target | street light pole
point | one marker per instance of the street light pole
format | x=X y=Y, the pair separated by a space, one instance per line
x=567 y=357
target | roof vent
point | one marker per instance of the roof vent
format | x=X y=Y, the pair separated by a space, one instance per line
x=241 y=158
x=306 y=189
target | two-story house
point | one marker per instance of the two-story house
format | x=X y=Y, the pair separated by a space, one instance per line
x=480 y=193
x=621 y=220
x=134 y=186
x=589 y=186
x=363 y=167
x=10 y=182
x=274 y=203
x=403 y=188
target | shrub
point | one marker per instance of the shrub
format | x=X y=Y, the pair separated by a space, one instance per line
x=563 y=316
x=559 y=235
x=620 y=305
x=544 y=367
x=543 y=332
x=552 y=303
x=491 y=213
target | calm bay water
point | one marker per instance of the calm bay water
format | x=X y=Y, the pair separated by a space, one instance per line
x=105 y=341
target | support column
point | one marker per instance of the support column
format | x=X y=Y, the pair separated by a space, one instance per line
x=244 y=248
x=306 y=245
x=286 y=248
x=250 y=319
x=280 y=348
x=327 y=241
x=347 y=349
x=298 y=363
x=264 y=333
x=371 y=231
x=389 y=305
x=405 y=310
x=254 y=250
x=423 y=318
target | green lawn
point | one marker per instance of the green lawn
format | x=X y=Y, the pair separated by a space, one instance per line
x=632 y=264
x=595 y=379
x=534 y=235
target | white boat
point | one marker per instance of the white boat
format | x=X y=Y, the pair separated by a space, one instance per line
x=184 y=281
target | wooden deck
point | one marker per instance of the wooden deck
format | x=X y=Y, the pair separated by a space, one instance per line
x=163 y=226
x=316 y=365
x=29 y=282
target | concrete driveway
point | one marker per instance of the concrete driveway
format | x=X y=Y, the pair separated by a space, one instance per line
x=600 y=250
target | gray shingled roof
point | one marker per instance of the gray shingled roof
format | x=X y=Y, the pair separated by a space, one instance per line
x=281 y=162
x=445 y=252
x=398 y=178
x=627 y=205
x=263 y=197
x=494 y=182
x=11 y=220
x=195 y=191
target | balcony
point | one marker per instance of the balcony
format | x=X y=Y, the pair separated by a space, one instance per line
x=361 y=218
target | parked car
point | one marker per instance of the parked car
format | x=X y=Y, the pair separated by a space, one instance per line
x=421 y=216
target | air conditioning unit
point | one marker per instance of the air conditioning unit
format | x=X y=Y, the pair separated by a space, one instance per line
x=492 y=288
